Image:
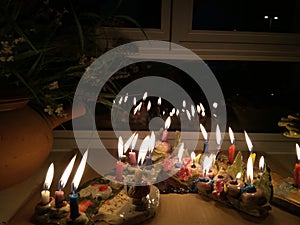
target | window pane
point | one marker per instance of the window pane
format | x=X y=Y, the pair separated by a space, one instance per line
x=245 y=15
x=146 y=13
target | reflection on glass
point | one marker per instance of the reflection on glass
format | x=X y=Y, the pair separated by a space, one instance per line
x=244 y=15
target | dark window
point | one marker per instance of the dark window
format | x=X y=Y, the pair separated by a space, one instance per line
x=245 y=15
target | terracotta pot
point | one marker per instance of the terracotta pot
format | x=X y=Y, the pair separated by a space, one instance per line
x=26 y=139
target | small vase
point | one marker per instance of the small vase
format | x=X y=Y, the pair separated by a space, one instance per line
x=26 y=139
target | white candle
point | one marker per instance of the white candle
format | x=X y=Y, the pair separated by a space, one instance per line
x=45 y=193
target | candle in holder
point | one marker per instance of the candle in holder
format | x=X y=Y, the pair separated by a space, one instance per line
x=179 y=156
x=45 y=193
x=297 y=168
x=59 y=194
x=205 y=184
x=74 y=209
x=119 y=168
x=231 y=149
x=204 y=133
x=250 y=147
x=132 y=155
x=165 y=132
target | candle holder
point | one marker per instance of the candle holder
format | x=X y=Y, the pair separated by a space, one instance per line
x=234 y=188
x=42 y=209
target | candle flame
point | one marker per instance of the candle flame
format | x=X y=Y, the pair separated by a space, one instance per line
x=149 y=106
x=79 y=172
x=137 y=108
x=64 y=178
x=203 y=113
x=120 y=147
x=120 y=100
x=298 y=151
x=207 y=163
x=231 y=135
x=128 y=143
x=188 y=115
x=261 y=163
x=193 y=156
x=198 y=109
x=183 y=103
x=203 y=131
x=218 y=135
x=133 y=143
x=159 y=101
x=152 y=142
x=177 y=112
x=201 y=106
x=168 y=123
x=238 y=176
x=193 y=111
x=49 y=177
x=143 y=150
x=126 y=98
x=134 y=101
x=145 y=95
x=250 y=170
x=249 y=143
x=180 y=152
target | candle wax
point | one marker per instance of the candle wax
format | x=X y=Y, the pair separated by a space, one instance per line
x=132 y=158
x=231 y=153
x=119 y=171
x=297 y=175
x=164 y=135
x=74 y=210
x=45 y=194
x=59 y=198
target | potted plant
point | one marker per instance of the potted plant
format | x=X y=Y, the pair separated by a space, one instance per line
x=45 y=47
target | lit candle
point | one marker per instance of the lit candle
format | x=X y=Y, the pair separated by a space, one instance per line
x=231 y=150
x=45 y=193
x=218 y=137
x=59 y=194
x=165 y=132
x=297 y=168
x=132 y=155
x=204 y=133
x=250 y=147
x=179 y=155
x=74 y=210
x=151 y=148
x=145 y=96
x=261 y=165
x=119 y=168
x=249 y=171
x=193 y=156
x=149 y=106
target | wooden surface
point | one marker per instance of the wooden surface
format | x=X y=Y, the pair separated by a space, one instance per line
x=182 y=209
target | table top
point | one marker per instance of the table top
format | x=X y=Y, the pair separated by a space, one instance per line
x=182 y=209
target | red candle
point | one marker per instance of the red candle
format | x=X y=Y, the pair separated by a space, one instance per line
x=132 y=157
x=231 y=150
x=297 y=168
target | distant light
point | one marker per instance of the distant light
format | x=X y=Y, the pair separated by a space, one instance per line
x=276 y=18
x=272 y=94
x=266 y=17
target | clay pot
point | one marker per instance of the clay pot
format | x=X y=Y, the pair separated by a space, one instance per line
x=26 y=138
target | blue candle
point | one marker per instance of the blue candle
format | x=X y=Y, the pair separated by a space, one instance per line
x=148 y=162
x=74 y=211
